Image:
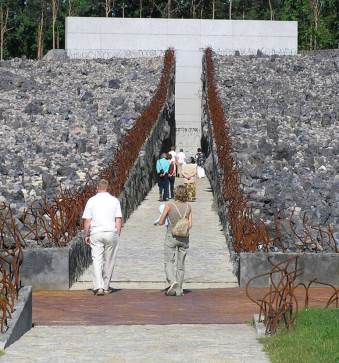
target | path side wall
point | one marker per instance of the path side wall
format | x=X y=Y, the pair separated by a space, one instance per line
x=143 y=176
x=214 y=173
x=106 y=37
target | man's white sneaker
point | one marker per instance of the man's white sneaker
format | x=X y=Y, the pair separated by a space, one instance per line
x=100 y=292
x=172 y=289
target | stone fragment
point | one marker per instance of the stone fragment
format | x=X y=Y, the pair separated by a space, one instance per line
x=56 y=55
x=48 y=181
x=114 y=83
x=34 y=108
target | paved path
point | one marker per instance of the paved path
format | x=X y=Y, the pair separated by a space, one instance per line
x=140 y=256
x=139 y=324
x=136 y=306
x=141 y=343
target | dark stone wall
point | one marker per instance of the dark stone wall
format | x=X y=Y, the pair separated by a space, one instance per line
x=143 y=176
x=214 y=173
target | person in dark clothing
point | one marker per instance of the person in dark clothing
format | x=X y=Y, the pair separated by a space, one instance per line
x=162 y=167
x=200 y=161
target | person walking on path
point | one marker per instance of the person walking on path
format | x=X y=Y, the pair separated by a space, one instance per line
x=162 y=167
x=179 y=216
x=102 y=228
x=189 y=172
x=171 y=175
x=180 y=160
x=200 y=160
x=173 y=153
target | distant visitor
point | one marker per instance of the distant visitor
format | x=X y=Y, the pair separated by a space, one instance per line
x=189 y=172
x=162 y=167
x=200 y=160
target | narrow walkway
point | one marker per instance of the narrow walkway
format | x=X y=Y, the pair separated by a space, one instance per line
x=140 y=256
x=138 y=344
x=138 y=323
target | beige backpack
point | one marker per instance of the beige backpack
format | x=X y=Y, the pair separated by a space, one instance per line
x=181 y=228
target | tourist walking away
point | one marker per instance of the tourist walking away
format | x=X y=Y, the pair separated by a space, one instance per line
x=189 y=172
x=173 y=153
x=181 y=160
x=171 y=175
x=102 y=227
x=162 y=167
x=200 y=160
x=179 y=216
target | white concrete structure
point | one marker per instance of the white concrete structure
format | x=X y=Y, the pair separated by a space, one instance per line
x=106 y=37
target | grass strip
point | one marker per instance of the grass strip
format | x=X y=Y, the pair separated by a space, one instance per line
x=314 y=339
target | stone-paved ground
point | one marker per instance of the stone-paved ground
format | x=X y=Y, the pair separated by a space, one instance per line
x=233 y=343
x=283 y=113
x=61 y=120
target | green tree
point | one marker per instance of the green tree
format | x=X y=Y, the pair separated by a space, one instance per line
x=29 y=27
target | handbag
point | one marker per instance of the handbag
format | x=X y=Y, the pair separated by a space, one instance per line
x=181 y=228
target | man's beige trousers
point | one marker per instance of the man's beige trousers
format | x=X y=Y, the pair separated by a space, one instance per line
x=104 y=247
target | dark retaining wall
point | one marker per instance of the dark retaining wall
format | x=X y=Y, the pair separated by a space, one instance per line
x=58 y=268
x=143 y=176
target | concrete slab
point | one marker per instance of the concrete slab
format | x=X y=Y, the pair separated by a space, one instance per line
x=323 y=266
x=235 y=343
x=54 y=268
x=21 y=321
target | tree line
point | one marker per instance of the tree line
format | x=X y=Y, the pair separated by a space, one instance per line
x=31 y=27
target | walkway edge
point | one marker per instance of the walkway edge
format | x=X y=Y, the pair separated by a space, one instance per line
x=21 y=321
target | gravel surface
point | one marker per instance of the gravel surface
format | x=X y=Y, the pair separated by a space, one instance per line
x=283 y=113
x=62 y=120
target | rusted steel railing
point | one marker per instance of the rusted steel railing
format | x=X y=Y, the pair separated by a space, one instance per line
x=249 y=234
x=10 y=262
x=246 y=233
x=279 y=305
x=58 y=221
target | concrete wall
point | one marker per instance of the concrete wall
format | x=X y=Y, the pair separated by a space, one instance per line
x=107 y=37
x=321 y=266
x=21 y=321
x=55 y=268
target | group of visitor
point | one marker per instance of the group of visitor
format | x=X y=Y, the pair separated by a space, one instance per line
x=176 y=215
x=171 y=165
x=103 y=221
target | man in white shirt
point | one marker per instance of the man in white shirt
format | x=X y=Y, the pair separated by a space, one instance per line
x=181 y=160
x=102 y=227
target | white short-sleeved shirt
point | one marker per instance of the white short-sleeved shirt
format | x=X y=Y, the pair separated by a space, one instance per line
x=102 y=209
x=173 y=154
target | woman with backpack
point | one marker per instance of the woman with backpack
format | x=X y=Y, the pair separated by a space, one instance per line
x=179 y=216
